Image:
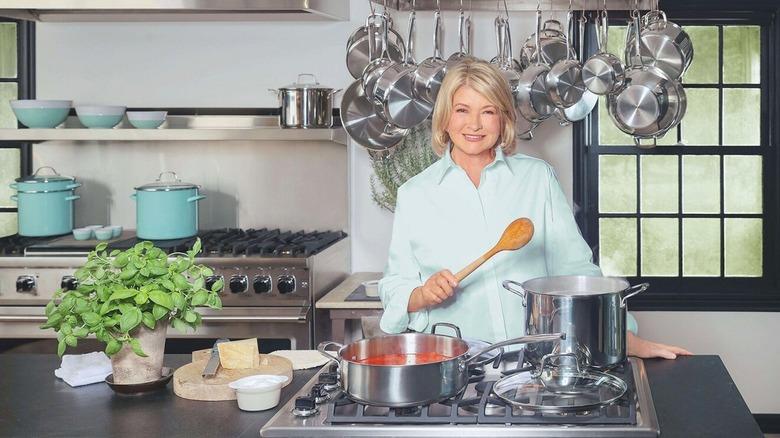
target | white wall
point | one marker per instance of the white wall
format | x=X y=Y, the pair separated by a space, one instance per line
x=233 y=65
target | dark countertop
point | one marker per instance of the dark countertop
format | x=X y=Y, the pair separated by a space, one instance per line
x=694 y=396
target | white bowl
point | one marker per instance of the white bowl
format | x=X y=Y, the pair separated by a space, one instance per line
x=147 y=119
x=372 y=288
x=259 y=392
x=100 y=116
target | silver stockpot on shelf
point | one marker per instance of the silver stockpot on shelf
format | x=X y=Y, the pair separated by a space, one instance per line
x=591 y=311
x=305 y=104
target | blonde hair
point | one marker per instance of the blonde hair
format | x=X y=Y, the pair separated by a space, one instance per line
x=486 y=80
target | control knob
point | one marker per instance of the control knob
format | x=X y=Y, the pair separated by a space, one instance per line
x=25 y=284
x=238 y=283
x=69 y=282
x=286 y=284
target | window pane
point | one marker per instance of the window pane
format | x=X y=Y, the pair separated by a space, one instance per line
x=702 y=118
x=7 y=50
x=616 y=41
x=742 y=116
x=9 y=171
x=7 y=117
x=701 y=184
x=617 y=246
x=8 y=224
x=705 y=43
x=742 y=176
x=617 y=184
x=744 y=251
x=609 y=134
x=658 y=184
x=660 y=252
x=741 y=54
x=701 y=247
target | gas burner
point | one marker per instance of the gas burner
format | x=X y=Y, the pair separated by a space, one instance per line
x=265 y=242
x=476 y=373
x=305 y=407
x=15 y=245
x=329 y=381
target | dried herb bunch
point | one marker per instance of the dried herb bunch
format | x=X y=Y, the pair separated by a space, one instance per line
x=409 y=158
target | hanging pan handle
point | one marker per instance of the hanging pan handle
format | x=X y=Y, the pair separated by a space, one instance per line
x=323 y=346
x=633 y=290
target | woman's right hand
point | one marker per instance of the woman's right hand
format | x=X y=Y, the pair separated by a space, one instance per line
x=438 y=288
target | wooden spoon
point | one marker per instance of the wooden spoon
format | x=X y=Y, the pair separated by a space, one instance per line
x=516 y=235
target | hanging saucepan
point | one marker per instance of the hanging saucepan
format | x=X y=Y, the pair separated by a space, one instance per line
x=394 y=98
x=564 y=80
x=663 y=44
x=377 y=66
x=363 y=124
x=532 y=100
x=358 y=52
x=464 y=27
x=587 y=101
x=552 y=43
x=430 y=73
x=409 y=369
x=603 y=72
x=508 y=66
x=650 y=102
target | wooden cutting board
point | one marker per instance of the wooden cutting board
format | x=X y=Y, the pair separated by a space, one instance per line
x=189 y=383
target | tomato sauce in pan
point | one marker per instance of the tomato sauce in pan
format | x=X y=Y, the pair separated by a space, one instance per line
x=404 y=359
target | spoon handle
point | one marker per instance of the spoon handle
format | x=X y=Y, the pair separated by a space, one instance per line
x=463 y=273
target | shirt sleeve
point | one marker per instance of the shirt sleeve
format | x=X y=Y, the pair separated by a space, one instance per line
x=631 y=324
x=401 y=276
x=566 y=252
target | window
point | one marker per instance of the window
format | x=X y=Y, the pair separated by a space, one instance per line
x=696 y=216
x=16 y=71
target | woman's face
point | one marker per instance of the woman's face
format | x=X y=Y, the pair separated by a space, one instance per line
x=475 y=123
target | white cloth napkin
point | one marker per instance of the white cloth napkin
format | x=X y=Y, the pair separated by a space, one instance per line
x=83 y=369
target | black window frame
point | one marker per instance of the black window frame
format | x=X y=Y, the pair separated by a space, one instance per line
x=697 y=293
x=25 y=80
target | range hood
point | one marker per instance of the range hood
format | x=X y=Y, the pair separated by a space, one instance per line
x=175 y=10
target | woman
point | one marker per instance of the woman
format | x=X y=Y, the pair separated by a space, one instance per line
x=457 y=208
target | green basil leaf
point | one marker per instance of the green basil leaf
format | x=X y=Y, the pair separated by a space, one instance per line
x=50 y=307
x=113 y=347
x=161 y=298
x=218 y=285
x=136 y=346
x=148 y=320
x=158 y=270
x=196 y=246
x=130 y=320
x=200 y=297
x=91 y=318
x=80 y=332
x=168 y=284
x=114 y=253
x=199 y=283
x=61 y=347
x=126 y=307
x=128 y=273
x=178 y=300
x=141 y=298
x=180 y=325
x=81 y=306
x=121 y=260
x=207 y=272
x=71 y=340
x=110 y=322
x=159 y=312
x=101 y=246
x=190 y=316
x=53 y=321
x=66 y=329
x=107 y=307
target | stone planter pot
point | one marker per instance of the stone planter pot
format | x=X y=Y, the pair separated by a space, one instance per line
x=130 y=368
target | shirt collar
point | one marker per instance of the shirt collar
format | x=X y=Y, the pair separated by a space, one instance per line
x=446 y=163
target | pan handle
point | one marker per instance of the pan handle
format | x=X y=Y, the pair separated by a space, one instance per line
x=530 y=339
x=448 y=325
x=323 y=346
x=508 y=285
x=634 y=290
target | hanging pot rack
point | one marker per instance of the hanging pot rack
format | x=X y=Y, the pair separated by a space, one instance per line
x=519 y=5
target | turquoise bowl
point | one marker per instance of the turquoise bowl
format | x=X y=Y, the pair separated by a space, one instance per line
x=147 y=119
x=41 y=113
x=147 y=124
x=100 y=116
x=105 y=122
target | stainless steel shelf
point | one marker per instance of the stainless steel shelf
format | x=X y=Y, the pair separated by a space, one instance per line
x=181 y=128
x=175 y=10
x=516 y=5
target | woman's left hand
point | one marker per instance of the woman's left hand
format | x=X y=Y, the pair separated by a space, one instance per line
x=645 y=349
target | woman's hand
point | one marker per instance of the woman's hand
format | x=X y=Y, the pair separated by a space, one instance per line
x=645 y=349
x=439 y=288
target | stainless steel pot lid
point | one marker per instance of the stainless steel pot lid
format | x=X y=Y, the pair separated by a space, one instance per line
x=164 y=185
x=304 y=85
x=576 y=285
x=44 y=178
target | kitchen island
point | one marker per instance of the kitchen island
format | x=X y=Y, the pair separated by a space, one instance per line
x=694 y=396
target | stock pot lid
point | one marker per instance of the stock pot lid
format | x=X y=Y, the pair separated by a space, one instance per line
x=163 y=184
x=52 y=177
x=302 y=84
x=576 y=285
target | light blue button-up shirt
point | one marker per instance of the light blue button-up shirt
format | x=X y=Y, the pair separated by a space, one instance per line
x=442 y=221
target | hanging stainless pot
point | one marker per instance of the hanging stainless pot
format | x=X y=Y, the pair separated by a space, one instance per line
x=464 y=40
x=552 y=43
x=532 y=100
x=377 y=66
x=430 y=73
x=564 y=80
x=394 y=92
x=663 y=44
x=45 y=203
x=603 y=72
x=587 y=101
x=370 y=375
x=591 y=311
x=360 y=52
x=649 y=103
x=363 y=124
x=508 y=66
x=305 y=104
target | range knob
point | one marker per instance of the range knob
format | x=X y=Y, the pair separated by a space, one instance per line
x=211 y=279
x=305 y=406
x=286 y=284
x=262 y=284
x=25 y=284
x=69 y=282
x=238 y=284
x=319 y=394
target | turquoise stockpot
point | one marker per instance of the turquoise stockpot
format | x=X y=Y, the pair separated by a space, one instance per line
x=45 y=203
x=166 y=209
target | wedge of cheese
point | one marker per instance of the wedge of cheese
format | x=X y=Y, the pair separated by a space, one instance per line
x=238 y=355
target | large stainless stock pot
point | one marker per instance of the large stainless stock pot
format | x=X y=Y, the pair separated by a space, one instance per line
x=410 y=384
x=591 y=311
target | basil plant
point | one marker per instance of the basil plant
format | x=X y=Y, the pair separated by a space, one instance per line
x=120 y=291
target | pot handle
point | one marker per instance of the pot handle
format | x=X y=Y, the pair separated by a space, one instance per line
x=508 y=286
x=134 y=196
x=530 y=339
x=196 y=198
x=14 y=198
x=336 y=91
x=322 y=347
x=446 y=324
x=12 y=185
x=73 y=186
x=314 y=78
x=546 y=358
x=72 y=198
x=633 y=290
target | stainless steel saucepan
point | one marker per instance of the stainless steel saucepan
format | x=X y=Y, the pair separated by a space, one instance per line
x=587 y=101
x=564 y=80
x=663 y=44
x=533 y=103
x=361 y=50
x=430 y=73
x=603 y=72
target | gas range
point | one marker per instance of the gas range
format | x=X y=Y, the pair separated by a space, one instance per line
x=272 y=279
x=475 y=412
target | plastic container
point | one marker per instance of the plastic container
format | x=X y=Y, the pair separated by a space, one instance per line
x=372 y=288
x=259 y=392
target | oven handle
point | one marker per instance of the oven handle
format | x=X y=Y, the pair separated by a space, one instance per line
x=22 y=318
x=210 y=318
